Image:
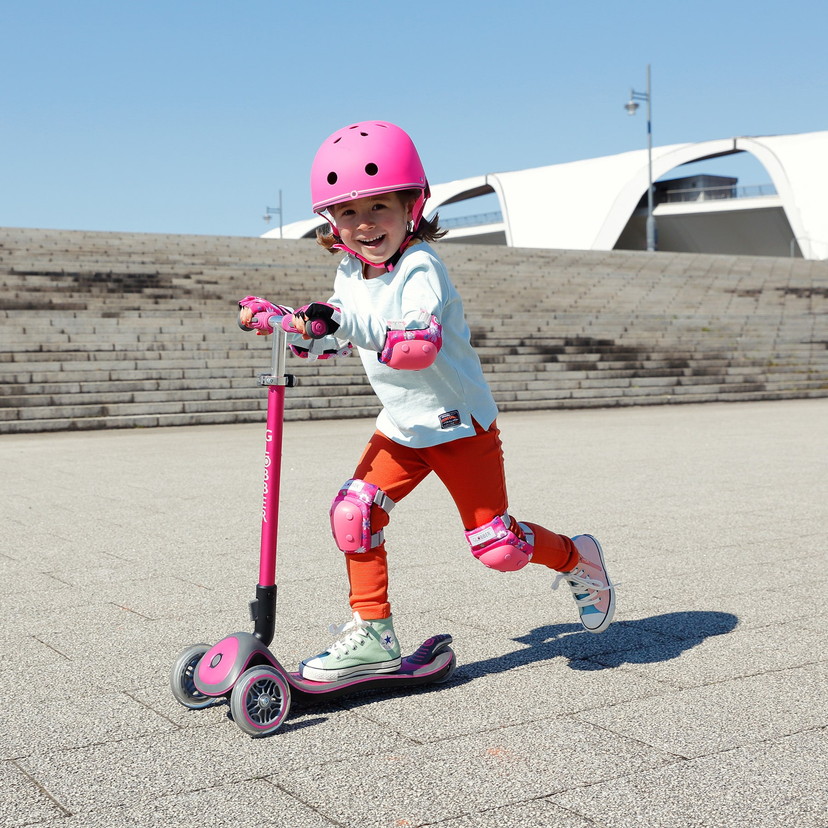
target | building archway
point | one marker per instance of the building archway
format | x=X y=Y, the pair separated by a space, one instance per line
x=587 y=205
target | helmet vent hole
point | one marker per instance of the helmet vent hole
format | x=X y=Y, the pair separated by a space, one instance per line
x=338 y=140
x=332 y=177
x=364 y=134
x=371 y=169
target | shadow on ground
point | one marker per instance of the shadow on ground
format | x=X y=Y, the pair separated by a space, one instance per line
x=644 y=641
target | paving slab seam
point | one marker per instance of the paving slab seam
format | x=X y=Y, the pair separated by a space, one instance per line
x=62 y=808
x=715 y=753
x=50 y=647
x=586 y=819
x=505 y=808
x=493 y=730
x=625 y=737
x=668 y=690
x=310 y=806
x=151 y=709
x=102 y=742
x=114 y=809
x=454 y=817
x=381 y=723
x=681 y=689
x=676 y=688
x=51 y=575
x=134 y=612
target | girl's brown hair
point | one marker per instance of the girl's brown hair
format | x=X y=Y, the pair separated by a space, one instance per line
x=429 y=230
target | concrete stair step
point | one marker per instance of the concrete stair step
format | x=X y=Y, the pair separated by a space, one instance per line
x=74 y=406
x=146 y=320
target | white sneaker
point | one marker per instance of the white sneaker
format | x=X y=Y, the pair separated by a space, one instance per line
x=366 y=647
x=590 y=583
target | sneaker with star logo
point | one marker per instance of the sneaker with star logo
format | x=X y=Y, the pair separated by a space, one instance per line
x=366 y=647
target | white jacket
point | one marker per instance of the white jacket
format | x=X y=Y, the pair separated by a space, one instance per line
x=420 y=408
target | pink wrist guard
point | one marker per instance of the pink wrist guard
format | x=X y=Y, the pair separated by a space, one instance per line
x=312 y=352
x=412 y=350
x=321 y=319
x=263 y=311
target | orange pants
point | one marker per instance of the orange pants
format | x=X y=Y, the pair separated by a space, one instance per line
x=472 y=470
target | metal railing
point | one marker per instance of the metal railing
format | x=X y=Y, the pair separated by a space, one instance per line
x=715 y=193
x=471 y=221
x=727 y=191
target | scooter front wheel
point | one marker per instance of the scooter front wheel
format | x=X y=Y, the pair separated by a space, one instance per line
x=181 y=679
x=260 y=701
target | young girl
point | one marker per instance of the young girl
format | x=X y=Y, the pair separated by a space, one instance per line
x=394 y=301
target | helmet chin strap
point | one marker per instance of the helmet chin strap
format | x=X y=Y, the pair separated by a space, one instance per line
x=387 y=265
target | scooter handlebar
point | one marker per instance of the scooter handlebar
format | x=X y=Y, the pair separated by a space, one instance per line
x=262 y=323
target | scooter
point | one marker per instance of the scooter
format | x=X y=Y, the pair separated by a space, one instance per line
x=240 y=667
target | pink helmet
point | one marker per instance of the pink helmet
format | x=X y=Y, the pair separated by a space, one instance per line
x=366 y=159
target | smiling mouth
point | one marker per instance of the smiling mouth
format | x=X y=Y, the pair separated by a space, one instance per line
x=375 y=242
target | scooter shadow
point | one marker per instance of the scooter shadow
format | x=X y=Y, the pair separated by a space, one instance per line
x=300 y=717
x=644 y=641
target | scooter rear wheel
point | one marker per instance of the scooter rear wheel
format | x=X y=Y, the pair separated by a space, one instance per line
x=181 y=678
x=450 y=672
x=260 y=701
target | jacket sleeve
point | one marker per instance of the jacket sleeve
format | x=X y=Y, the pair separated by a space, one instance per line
x=421 y=297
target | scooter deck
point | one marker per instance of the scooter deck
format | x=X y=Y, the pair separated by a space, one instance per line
x=221 y=666
x=433 y=661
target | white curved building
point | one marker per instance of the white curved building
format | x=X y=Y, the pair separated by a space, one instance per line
x=596 y=204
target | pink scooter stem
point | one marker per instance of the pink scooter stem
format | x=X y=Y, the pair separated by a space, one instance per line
x=276 y=382
x=270 y=491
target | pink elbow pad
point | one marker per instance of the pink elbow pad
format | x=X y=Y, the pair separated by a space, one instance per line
x=412 y=350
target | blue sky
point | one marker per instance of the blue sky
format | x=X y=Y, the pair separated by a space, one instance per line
x=185 y=117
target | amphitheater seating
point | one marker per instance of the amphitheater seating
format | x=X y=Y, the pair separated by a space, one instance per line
x=107 y=330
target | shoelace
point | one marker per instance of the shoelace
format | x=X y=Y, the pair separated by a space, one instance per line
x=585 y=590
x=350 y=631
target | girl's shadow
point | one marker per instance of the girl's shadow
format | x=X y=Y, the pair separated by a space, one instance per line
x=644 y=641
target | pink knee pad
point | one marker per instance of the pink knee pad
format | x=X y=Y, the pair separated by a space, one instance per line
x=351 y=516
x=498 y=547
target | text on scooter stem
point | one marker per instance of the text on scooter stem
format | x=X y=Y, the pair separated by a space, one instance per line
x=267 y=461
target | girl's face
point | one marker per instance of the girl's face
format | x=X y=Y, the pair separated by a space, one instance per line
x=374 y=226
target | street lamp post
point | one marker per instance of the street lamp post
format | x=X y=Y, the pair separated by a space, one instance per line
x=273 y=211
x=631 y=106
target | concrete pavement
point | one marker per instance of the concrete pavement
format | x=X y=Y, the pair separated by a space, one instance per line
x=705 y=703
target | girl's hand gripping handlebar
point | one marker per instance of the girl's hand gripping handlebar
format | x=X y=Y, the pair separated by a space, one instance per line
x=314 y=321
x=257 y=314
